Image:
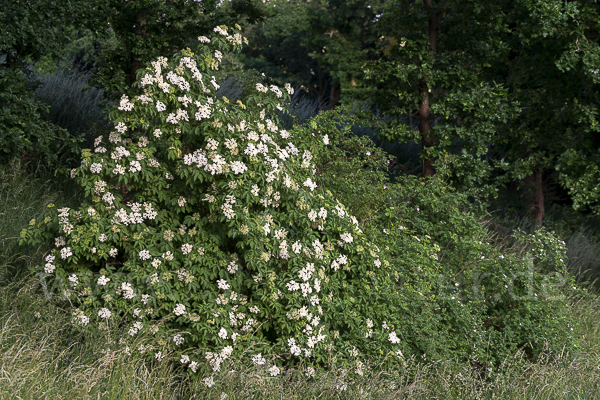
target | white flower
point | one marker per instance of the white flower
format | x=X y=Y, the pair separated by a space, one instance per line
x=73 y=279
x=314 y=300
x=289 y=89
x=108 y=197
x=49 y=268
x=185 y=359
x=393 y=338
x=145 y=99
x=179 y=310
x=232 y=267
x=323 y=213
x=194 y=366
x=276 y=90
x=59 y=241
x=258 y=359
x=121 y=127
x=125 y=104
x=223 y=333
x=220 y=30
x=209 y=382
x=102 y=238
x=310 y=184
x=296 y=247
x=160 y=106
x=113 y=252
x=134 y=166
x=128 y=292
x=261 y=88
x=326 y=140
x=181 y=201
x=98 y=141
x=292 y=286
x=203 y=39
x=222 y=284
x=103 y=280
x=104 y=313
x=99 y=187
x=238 y=167
x=95 y=168
x=274 y=370
x=186 y=248
x=254 y=309
x=346 y=237
x=144 y=255
x=65 y=253
x=310 y=372
x=178 y=339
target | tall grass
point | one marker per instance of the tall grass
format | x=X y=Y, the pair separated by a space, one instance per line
x=74 y=105
x=42 y=357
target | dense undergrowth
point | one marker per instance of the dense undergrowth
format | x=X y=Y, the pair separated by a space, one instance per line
x=41 y=356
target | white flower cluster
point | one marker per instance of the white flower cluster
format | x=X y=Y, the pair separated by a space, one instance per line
x=96 y=168
x=393 y=338
x=137 y=326
x=65 y=253
x=179 y=310
x=125 y=104
x=227 y=207
x=103 y=280
x=258 y=359
x=104 y=313
x=186 y=248
x=119 y=153
x=121 y=127
x=180 y=115
x=160 y=106
x=222 y=284
x=63 y=221
x=341 y=260
x=49 y=267
x=178 y=339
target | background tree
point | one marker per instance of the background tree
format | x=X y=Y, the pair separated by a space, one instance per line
x=431 y=81
x=27 y=35
x=320 y=45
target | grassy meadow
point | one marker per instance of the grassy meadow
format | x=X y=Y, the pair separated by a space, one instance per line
x=41 y=357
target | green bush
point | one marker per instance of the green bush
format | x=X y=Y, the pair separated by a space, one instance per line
x=205 y=215
x=211 y=211
x=464 y=294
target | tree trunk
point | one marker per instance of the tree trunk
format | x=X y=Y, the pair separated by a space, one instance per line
x=427 y=140
x=334 y=96
x=140 y=29
x=539 y=197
